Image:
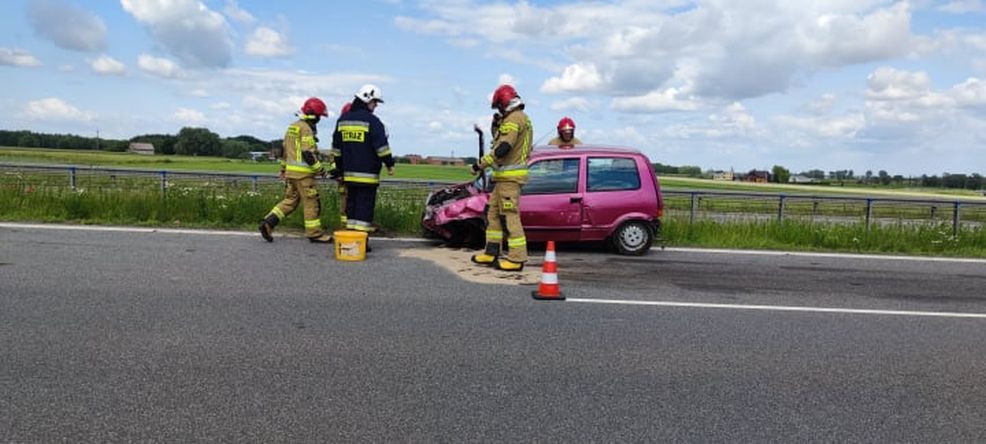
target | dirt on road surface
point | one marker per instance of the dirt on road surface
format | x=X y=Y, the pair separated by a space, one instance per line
x=458 y=262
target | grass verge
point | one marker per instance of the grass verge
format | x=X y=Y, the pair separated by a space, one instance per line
x=399 y=210
x=794 y=235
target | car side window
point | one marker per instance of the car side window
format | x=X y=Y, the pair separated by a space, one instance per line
x=612 y=174
x=552 y=176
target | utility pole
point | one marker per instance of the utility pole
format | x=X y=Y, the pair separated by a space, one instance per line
x=97 y=139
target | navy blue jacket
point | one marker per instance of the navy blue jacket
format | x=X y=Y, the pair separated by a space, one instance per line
x=360 y=146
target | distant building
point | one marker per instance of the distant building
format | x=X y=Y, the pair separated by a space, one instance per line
x=723 y=175
x=801 y=179
x=437 y=160
x=261 y=155
x=413 y=159
x=141 y=148
x=758 y=176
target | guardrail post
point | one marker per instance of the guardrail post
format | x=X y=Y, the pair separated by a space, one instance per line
x=814 y=210
x=934 y=212
x=869 y=213
x=691 y=220
x=71 y=177
x=780 y=208
x=956 y=219
x=254 y=184
x=164 y=182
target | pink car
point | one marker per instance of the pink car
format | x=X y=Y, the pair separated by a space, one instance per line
x=586 y=193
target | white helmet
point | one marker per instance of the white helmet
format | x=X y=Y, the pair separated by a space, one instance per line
x=369 y=92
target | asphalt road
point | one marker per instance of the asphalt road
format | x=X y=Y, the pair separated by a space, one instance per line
x=122 y=336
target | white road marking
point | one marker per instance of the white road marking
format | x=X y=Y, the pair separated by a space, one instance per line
x=165 y=231
x=827 y=255
x=940 y=314
x=411 y=239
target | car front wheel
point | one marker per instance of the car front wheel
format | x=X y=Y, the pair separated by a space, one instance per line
x=633 y=238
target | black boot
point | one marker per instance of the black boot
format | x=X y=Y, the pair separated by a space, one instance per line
x=267 y=227
x=323 y=239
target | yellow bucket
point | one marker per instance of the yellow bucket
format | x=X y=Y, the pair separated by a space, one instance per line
x=350 y=245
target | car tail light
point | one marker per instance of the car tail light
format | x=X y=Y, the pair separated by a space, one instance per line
x=660 y=212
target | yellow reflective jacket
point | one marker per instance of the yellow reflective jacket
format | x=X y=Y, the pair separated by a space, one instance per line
x=300 y=138
x=515 y=130
x=558 y=142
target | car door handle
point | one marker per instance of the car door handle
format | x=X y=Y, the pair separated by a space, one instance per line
x=575 y=199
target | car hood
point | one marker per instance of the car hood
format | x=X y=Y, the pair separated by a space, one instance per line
x=456 y=202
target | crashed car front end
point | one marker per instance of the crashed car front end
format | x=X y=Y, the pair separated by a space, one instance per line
x=446 y=209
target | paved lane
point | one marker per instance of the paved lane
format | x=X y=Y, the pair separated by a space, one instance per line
x=188 y=337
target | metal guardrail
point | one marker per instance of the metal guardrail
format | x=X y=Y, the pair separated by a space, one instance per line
x=693 y=204
x=165 y=178
x=783 y=206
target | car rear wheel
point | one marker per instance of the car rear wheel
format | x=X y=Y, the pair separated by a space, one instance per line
x=633 y=238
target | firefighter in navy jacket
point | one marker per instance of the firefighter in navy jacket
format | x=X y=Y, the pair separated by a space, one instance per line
x=360 y=141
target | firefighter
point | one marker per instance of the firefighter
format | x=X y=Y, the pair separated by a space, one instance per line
x=299 y=165
x=363 y=149
x=566 y=134
x=336 y=174
x=508 y=158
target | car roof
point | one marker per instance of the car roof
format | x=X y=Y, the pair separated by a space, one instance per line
x=552 y=150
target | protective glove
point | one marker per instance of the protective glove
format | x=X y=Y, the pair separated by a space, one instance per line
x=475 y=168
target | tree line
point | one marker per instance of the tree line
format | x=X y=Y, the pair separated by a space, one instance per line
x=31 y=139
x=974 y=181
x=189 y=142
x=202 y=142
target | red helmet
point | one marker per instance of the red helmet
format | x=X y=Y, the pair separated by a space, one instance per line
x=345 y=108
x=566 y=123
x=314 y=107
x=503 y=95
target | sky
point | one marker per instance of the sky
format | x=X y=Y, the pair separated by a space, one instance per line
x=721 y=84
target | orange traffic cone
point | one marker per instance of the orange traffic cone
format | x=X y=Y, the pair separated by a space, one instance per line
x=549 y=290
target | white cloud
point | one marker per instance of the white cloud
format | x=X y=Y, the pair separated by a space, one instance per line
x=970 y=93
x=891 y=84
x=17 y=57
x=188 y=29
x=277 y=83
x=55 y=109
x=667 y=100
x=823 y=105
x=709 y=48
x=963 y=7
x=233 y=11
x=186 y=116
x=220 y=105
x=845 y=126
x=198 y=92
x=464 y=43
x=282 y=106
x=67 y=25
x=105 y=64
x=572 y=104
x=507 y=79
x=266 y=42
x=158 y=66
x=580 y=77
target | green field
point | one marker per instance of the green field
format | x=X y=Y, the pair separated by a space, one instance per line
x=685 y=183
x=438 y=173
x=192 y=163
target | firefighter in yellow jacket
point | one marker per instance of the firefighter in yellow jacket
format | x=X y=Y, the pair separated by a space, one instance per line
x=299 y=165
x=508 y=158
x=566 y=134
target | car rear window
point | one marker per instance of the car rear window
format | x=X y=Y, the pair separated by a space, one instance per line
x=552 y=176
x=612 y=174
